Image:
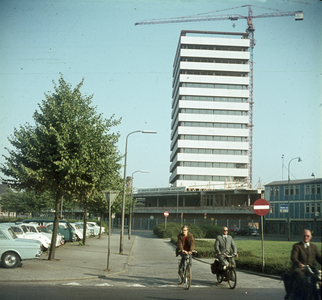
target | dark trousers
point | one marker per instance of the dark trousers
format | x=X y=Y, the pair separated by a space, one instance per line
x=183 y=258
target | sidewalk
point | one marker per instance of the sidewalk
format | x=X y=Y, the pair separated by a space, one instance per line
x=73 y=262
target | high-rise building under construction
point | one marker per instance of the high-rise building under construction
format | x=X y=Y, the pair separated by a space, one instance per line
x=210 y=111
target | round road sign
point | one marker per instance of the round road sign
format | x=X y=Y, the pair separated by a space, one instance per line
x=166 y=214
x=261 y=207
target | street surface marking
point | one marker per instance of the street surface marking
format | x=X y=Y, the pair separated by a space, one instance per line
x=137 y=285
x=104 y=284
x=72 y=283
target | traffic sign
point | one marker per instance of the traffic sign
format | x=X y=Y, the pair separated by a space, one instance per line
x=283 y=208
x=166 y=214
x=261 y=207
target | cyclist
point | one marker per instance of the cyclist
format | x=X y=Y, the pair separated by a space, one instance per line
x=303 y=253
x=186 y=244
x=225 y=242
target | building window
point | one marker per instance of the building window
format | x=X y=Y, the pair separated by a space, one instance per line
x=307 y=190
x=297 y=190
x=318 y=189
x=318 y=207
x=312 y=189
x=276 y=191
x=307 y=208
x=291 y=190
x=286 y=190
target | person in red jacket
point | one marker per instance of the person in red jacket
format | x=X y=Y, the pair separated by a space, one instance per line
x=186 y=244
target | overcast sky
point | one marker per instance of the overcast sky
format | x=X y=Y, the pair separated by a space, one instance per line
x=128 y=68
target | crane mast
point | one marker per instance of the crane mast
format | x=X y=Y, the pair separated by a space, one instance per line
x=250 y=30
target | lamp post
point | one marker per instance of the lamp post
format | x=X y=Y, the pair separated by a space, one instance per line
x=124 y=184
x=289 y=196
x=314 y=210
x=131 y=209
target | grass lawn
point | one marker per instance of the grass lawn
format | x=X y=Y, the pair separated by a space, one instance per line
x=276 y=254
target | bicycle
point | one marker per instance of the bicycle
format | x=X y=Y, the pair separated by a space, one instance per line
x=227 y=273
x=310 y=288
x=185 y=275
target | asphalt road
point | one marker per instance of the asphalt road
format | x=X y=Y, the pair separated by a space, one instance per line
x=151 y=274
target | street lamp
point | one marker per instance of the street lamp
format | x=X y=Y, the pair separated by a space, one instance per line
x=314 y=210
x=130 y=217
x=289 y=196
x=124 y=184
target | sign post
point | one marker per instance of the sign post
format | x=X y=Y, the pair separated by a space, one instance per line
x=109 y=196
x=261 y=208
x=166 y=215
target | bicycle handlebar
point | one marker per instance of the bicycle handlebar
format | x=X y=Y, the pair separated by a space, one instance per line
x=193 y=251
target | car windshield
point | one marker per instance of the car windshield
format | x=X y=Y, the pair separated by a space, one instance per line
x=17 y=230
x=13 y=235
x=24 y=228
x=43 y=229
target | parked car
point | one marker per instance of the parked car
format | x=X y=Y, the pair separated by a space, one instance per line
x=248 y=231
x=13 y=250
x=64 y=227
x=23 y=233
x=78 y=231
x=233 y=229
x=35 y=228
x=88 y=227
x=95 y=225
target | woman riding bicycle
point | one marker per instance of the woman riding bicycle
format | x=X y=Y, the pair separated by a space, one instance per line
x=185 y=245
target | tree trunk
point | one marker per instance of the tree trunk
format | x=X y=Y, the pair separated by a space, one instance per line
x=85 y=224
x=51 y=255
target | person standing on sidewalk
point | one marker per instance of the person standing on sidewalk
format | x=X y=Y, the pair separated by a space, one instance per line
x=185 y=244
x=225 y=242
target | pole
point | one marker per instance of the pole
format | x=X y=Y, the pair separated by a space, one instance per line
x=263 y=260
x=109 y=233
x=131 y=203
x=124 y=184
x=289 y=196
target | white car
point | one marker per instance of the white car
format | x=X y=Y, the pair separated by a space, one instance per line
x=35 y=228
x=13 y=249
x=20 y=233
x=89 y=230
x=78 y=231
x=95 y=225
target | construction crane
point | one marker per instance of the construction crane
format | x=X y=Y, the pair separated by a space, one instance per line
x=250 y=30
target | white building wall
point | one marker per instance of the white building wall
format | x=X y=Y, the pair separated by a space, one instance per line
x=219 y=80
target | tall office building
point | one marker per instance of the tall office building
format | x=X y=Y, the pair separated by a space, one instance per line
x=210 y=111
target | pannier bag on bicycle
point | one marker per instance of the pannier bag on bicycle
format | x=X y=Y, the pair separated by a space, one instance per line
x=214 y=266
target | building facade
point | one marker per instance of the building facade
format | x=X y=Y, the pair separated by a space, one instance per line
x=210 y=111
x=229 y=207
x=297 y=202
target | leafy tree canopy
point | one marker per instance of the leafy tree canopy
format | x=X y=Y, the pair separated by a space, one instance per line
x=69 y=151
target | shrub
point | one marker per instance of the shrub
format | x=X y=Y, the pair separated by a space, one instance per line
x=211 y=231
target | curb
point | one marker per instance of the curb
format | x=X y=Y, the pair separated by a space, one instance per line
x=125 y=268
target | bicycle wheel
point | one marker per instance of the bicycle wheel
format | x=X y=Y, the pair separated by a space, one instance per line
x=232 y=278
x=188 y=277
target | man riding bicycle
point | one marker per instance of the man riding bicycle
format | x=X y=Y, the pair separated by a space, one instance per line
x=225 y=242
x=185 y=245
x=303 y=254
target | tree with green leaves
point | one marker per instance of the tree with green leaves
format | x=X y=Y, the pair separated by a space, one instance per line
x=68 y=152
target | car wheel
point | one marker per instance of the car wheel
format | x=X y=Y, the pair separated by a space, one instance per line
x=10 y=260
